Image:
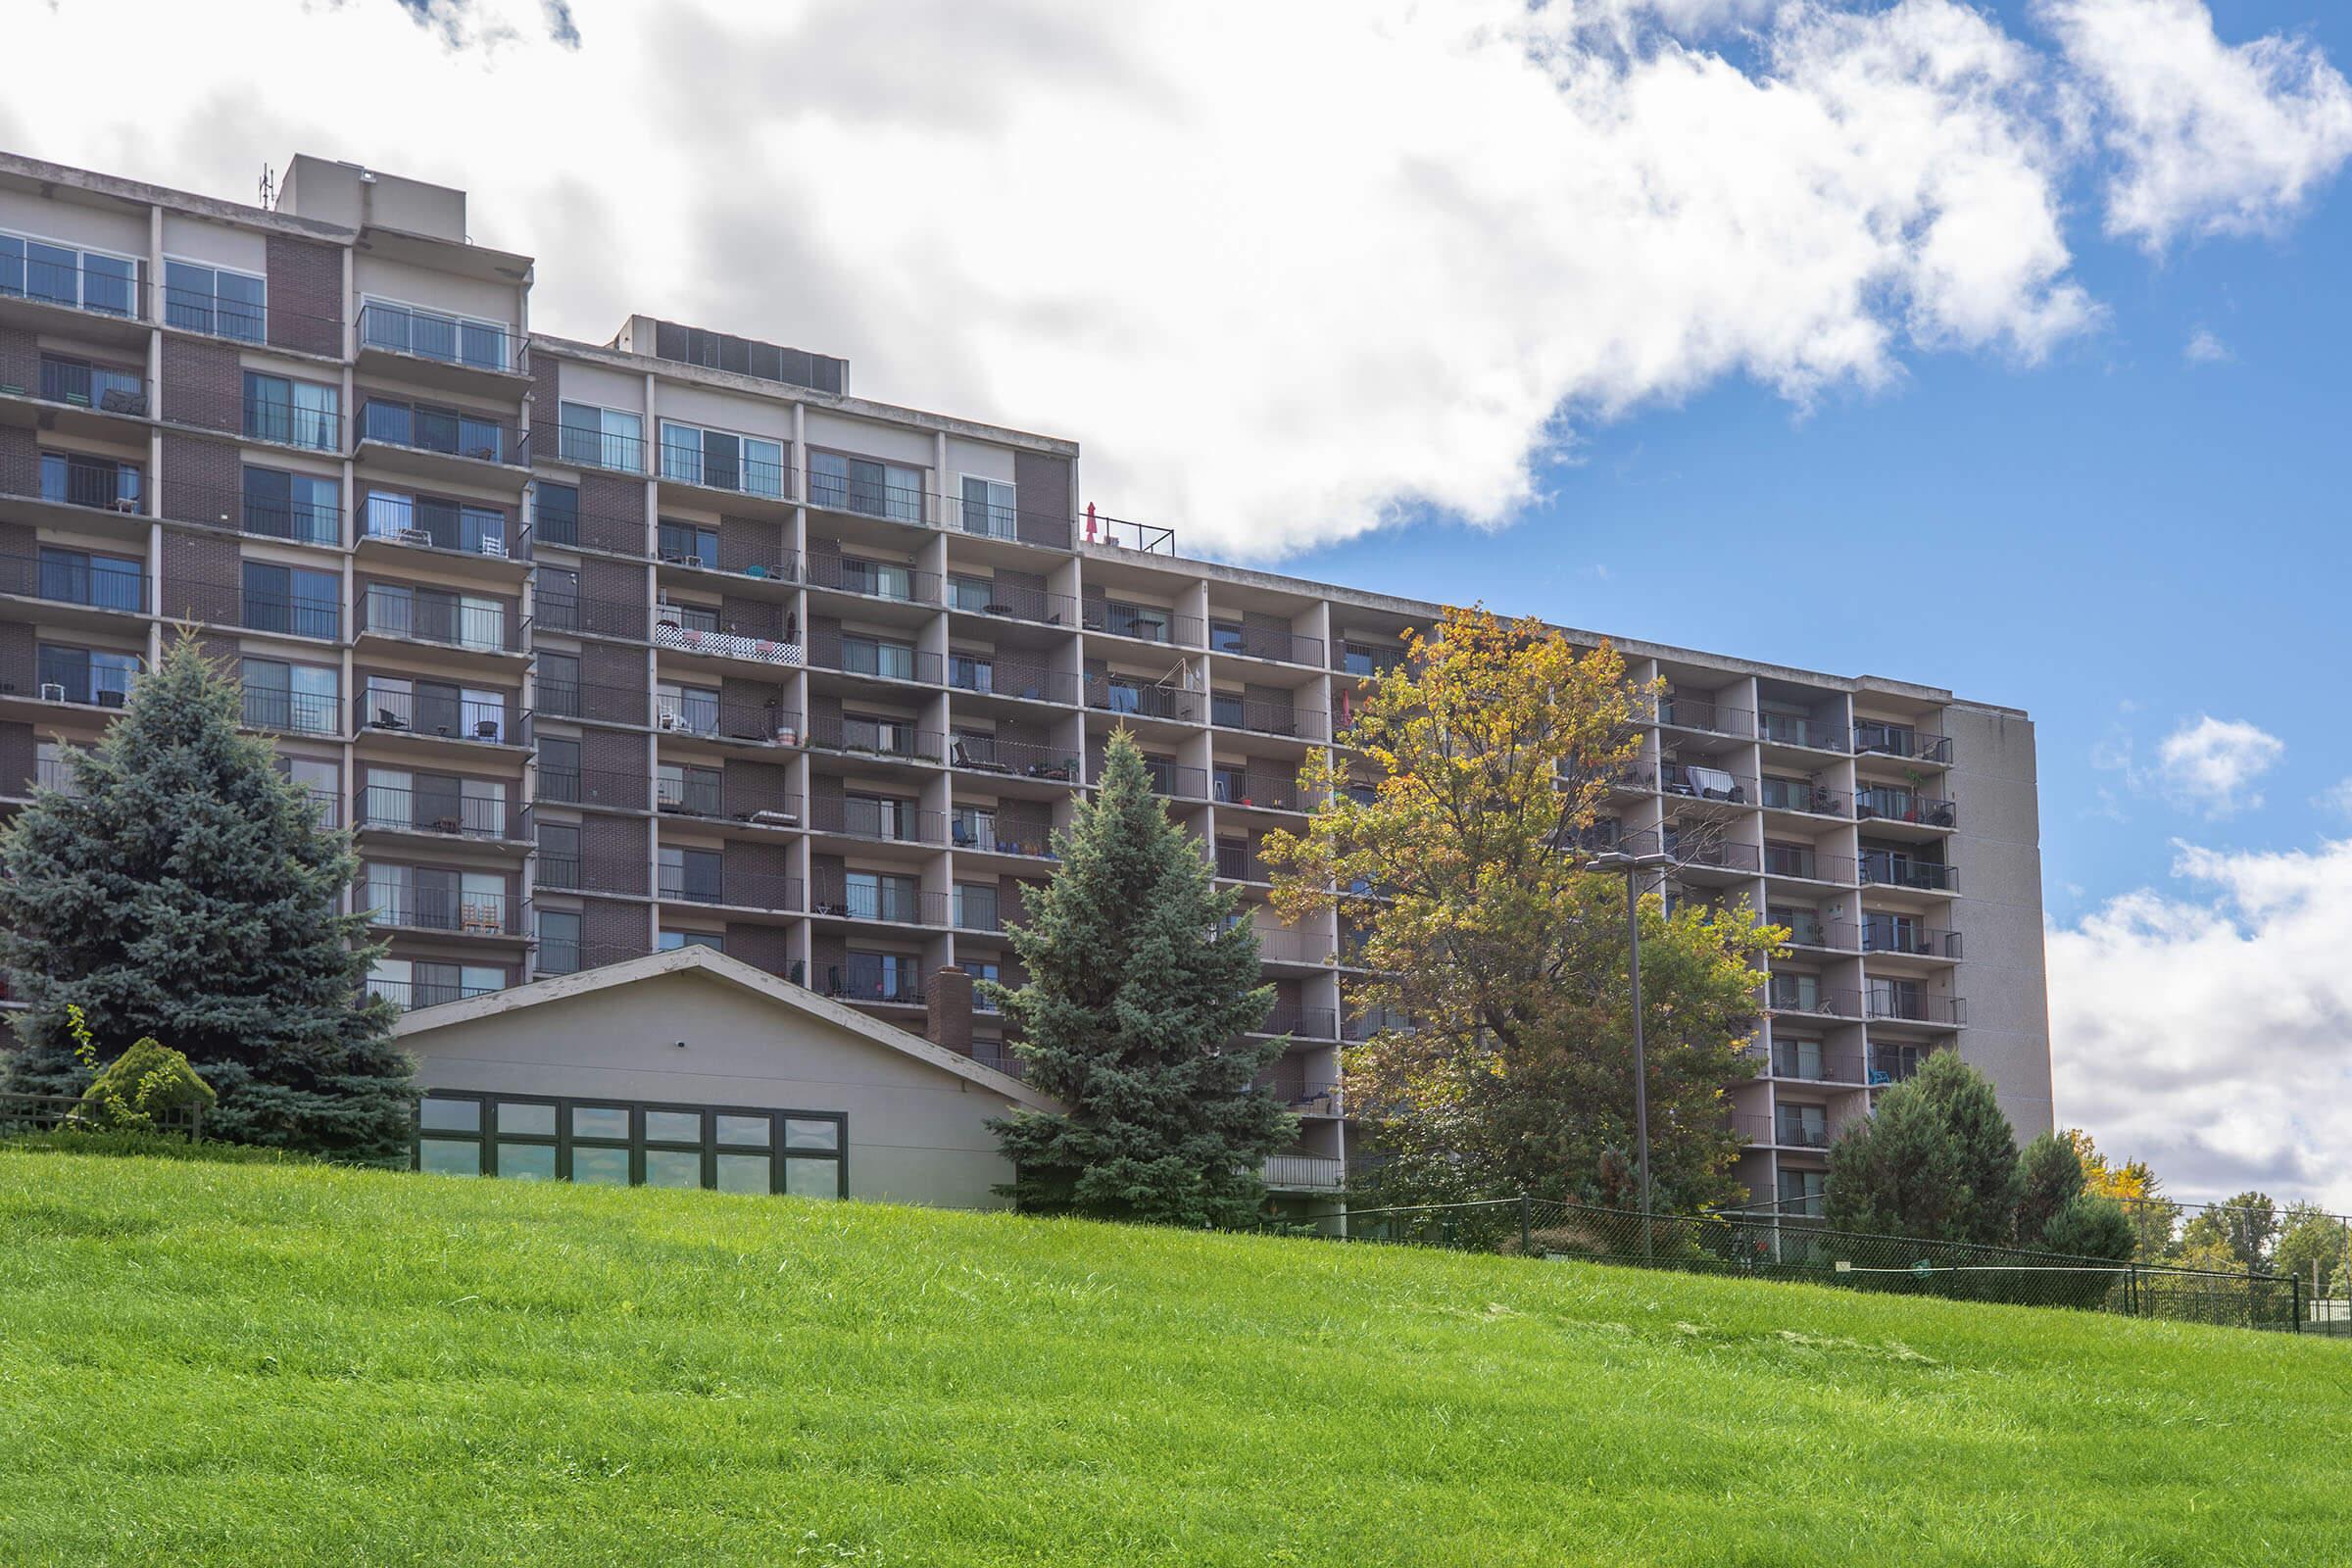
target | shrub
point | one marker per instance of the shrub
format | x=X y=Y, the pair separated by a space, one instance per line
x=144 y=1085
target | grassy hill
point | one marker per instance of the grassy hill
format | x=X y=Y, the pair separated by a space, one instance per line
x=212 y=1363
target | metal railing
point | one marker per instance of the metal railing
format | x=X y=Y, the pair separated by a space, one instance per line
x=1366 y=661
x=1806 y=864
x=288 y=614
x=289 y=424
x=594 y=617
x=1786 y=1132
x=874 y=580
x=730 y=885
x=687 y=639
x=1703 y=783
x=100 y=388
x=1785 y=729
x=1882 y=934
x=561 y=955
x=428 y=522
x=856 y=982
x=1265 y=792
x=891 y=901
x=96 y=583
x=715 y=718
x=997 y=679
x=1913 y=1007
x=982 y=835
x=392 y=903
x=265 y=518
x=1799 y=795
x=1300 y=1023
x=1239 y=863
x=878 y=660
x=443 y=619
x=1144 y=622
x=1135 y=697
x=693 y=792
x=609 y=788
x=1900 y=740
x=1710 y=853
x=451 y=433
x=1268 y=718
x=868 y=737
x=98 y=483
x=292 y=712
x=592 y=700
x=1173 y=779
x=1881 y=868
x=977 y=909
x=1305 y=1173
x=1264 y=642
x=1823 y=1068
x=888 y=821
x=399 y=710
x=409 y=811
x=431 y=335
x=743 y=476
x=1707 y=714
x=1147 y=538
x=105 y=286
x=833 y=491
x=581 y=446
x=410 y=995
x=1782 y=996
x=1880 y=803
x=1013 y=601
x=986 y=753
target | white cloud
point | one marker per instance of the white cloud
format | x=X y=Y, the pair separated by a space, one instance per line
x=2203 y=348
x=2336 y=797
x=2212 y=764
x=2206 y=1032
x=2213 y=138
x=1285 y=271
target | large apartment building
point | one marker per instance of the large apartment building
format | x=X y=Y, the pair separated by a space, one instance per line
x=603 y=649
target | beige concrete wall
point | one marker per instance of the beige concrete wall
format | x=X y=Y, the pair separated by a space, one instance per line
x=1998 y=851
x=917 y=1133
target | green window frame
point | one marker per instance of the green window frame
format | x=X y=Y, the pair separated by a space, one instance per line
x=737 y=1148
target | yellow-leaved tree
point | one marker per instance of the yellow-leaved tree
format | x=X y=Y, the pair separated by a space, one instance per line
x=1470 y=774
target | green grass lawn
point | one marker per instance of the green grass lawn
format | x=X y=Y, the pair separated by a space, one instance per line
x=212 y=1364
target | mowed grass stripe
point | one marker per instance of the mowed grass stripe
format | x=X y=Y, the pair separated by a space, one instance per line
x=251 y=1364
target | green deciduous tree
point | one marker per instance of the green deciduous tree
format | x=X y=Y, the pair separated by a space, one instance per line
x=1938 y=1161
x=183 y=890
x=1480 y=761
x=2315 y=1247
x=1142 y=976
x=2235 y=1237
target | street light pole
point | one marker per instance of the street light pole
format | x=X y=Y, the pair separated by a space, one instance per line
x=1633 y=865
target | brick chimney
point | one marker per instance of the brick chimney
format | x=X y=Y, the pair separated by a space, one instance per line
x=950 y=1023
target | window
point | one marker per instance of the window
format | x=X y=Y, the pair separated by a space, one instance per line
x=433 y=429
x=1797 y=1059
x=63 y=275
x=692 y=617
x=433 y=334
x=871 y=656
x=601 y=438
x=108 y=582
x=301 y=699
x=721 y=460
x=287 y=599
x=878 y=895
x=689 y=544
x=559 y=847
x=1796 y=993
x=300 y=506
x=884 y=579
x=671 y=941
x=982 y=969
x=988 y=509
x=559 y=941
x=971 y=672
x=863 y=485
x=878 y=977
x=976 y=910
x=690 y=873
x=1802 y=1193
x=678 y=787
x=79 y=481
x=970 y=593
x=215 y=300
x=92 y=387
x=558 y=685
x=1148 y=621
x=322 y=780
x=442 y=524
x=301 y=414
x=87 y=675
x=557 y=507
x=693 y=709
x=1804 y=925
x=732 y=1148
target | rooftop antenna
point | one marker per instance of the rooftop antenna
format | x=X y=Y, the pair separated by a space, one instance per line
x=268 y=191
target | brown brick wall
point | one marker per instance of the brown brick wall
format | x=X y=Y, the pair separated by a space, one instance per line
x=752 y=617
x=19 y=461
x=828 y=950
x=612 y=515
x=18 y=668
x=202 y=577
x=749 y=542
x=764 y=946
x=613 y=929
x=202 y=383
x=1041 y=487
x=18 y=752
x=306 y=295
x=202 y=481
x=746 y=787
x=19 y=359
x=611 y=582
x=613 y=853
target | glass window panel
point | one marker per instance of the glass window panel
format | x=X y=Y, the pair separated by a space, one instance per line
x=449 y=1156
x=813 y=1178
x=745 y=1173
x=673 y=1167
x=600 y=1167
x=600 y=1121
x=673 y=1126
x=439 y=1114
x=801 y=1134
x=525 y=1118
x=527 y=1162
x=741 y=1131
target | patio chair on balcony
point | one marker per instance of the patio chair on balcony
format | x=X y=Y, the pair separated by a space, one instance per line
x=480 y=919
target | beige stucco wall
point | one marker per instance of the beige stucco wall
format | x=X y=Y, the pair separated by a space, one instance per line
x=917 y=1131
x=1998 y=851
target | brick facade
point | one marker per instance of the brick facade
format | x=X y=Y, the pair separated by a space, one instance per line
x=204 y=383
x=202 y=481
x=306 y=295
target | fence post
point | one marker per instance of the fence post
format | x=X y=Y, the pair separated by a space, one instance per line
x=1525 y=1230
x=2296 y=1299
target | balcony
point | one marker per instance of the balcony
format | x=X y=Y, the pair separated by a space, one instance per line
x=1148 y=623
x=209 y=312
x=1259 y=792
x=424 y=523
x=1009 y=601
x=1145 y=538
x=558 y=955
x=1366 y=661
x=1238 y=863
x=886 y=821
x=415 y=909
x=410 y=995
x=884 y=738
x=586 y=447
x=92 y=582
x=1700 y=851
x=292 y=712
x=1802 y=796
x=605 y=789
x=444 y=621
x=1811 y=734
x=1817 y=1067
x=715 y=719
x=978 y=909
x=591 y=618
x=467 y=445
x=593 y=703
x=1883 y=868
x=1907 y=938
x=94 y=484
x=686 y=639
x=873 y=579
x=982 y=835
x=729 y=885
x=1698 y=783
x=1801 y=864
x=994 y=678
x=1227 y=711
x=1882 y=803
x=1908 y=1006
x=386 y=808
x=1901 y=741
x=400 y=710
x=1175 y=781
x=98 y=400
x=869 y=496
x=1300 y=1023
x=37 y=277
x=871 y=984
x=251 y=512
x=433 y=349
x=1782 y=995
x=883 y=900
x=1305 y=1173
x=985 y=753
x=874 y=661
x=288 y=423
x=1705 y=716
x=1135 y=697
x=1258 y=641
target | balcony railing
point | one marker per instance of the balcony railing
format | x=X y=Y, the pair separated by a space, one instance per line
x=725 y=645
x=1238 y=863
x=1819 y=1068
x=479 y=438
x=1268 y=718
x=1265 y=792
x=1174 y=780
x=1365 y=661
x=409 y=810
x=432 y=336
x=594 y=617
x=997 y=679
x=488 y=915
x=715 y=719
x=741 y=475
x=865 y=498
x=74 y=281
x=889 y=580
x=729 y=885
x=1797 y=795
x=410 y=995
x=986 y=837
x=1784 y=730
x=1145 y=622
x=290 y=424
x=1143 y=700
x=401 y=710
x=1882 y=803
x=1806 y=864
x=427 y=523
x=1305 y=1173
x=1706 y=714
x=1900 y=740
x=892 y=903
x=80 y=385
x=856 y=982
x=592 y=700
x=1012 y=601
x=1782 y=997
x=1882 y=869
x=695 y=793
x=291 y=712
x=1261 y=642
x=1300 y=1023
x=263 y=516
x=867 y=737
x=888 y=823
x=1721 y=854
x=977 y=909
x=985 y=753
x=1878 y=934
x=561 y=955
x=881 y=661
x=1709 y=784
x=609 y=788
x=1358 y=1028
x=1913 y=1007
x=288 y=614
x=488 y=628
x=101 y=584
x=98 y=483
x=587 y=447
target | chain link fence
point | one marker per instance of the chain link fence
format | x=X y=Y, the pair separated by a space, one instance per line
x=1784 y=1248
